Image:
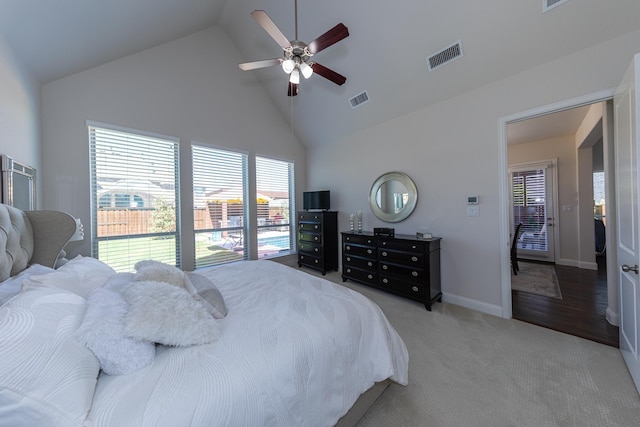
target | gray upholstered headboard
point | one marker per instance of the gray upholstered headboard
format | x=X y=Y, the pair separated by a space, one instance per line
x=31 y=237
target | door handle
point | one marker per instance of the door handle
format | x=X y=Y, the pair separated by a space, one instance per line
x=627 y=269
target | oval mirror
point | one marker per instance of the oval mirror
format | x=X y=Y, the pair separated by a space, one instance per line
x=393 y=197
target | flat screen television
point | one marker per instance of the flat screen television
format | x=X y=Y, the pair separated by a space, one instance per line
x=316 y=200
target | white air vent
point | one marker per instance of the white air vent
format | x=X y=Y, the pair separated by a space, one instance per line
x=445 y=56
x=550 y=4
x=359 y=99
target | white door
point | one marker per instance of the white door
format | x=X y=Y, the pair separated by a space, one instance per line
x=627 y=140
x=532 y=204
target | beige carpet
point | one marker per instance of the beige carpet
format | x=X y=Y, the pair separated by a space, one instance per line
x=471 y=369
x=536 y=278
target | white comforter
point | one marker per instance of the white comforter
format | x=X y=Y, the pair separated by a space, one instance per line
x=296 y=350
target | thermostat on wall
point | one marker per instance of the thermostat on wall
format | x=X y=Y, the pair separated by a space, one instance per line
x=472 y=200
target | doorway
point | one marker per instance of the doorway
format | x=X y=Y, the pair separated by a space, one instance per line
x=565 y=208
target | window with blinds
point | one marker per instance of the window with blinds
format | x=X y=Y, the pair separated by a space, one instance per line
x=529 y=207
x=135 y=197
x=220 y=192
x=275 y=188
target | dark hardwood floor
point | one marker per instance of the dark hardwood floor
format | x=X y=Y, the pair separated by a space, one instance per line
x=581 y=312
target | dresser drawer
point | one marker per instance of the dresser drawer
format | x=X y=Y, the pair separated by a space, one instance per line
x=410 y=259
x=310 y=237
x=402 y=245
x=309 y=259
x=408 y=273
x=365 y=276
x=310 y=216
x=354 y=261
x=309 y=248
x=360 y=240
x=364 y=251
x=310 y=226
x=403 y=287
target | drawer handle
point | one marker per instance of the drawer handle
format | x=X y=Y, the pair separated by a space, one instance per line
x=301 y=256
x=414 y=273
x=414 y=258
x=315 y=238
x=369 y=241
x=415 y=289
x=370 y=264
x=348 y=270
x=348 y=258
x=384 y=267
x=384 y=253
x=316 y=227
x=369 y=251
x=385 y=280
x=413 y=246
x=317 y=261
x=370 y=276
x=316 y=250
x=348 y=247
x=384 y=243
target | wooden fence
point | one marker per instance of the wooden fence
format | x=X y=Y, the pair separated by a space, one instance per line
x=121 y=222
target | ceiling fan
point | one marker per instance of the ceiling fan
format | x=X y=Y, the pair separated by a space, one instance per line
x=297 y=55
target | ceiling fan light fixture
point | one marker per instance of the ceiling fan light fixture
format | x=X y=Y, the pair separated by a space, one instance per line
x=295 y=76
x=288 y=65
x=306 y=70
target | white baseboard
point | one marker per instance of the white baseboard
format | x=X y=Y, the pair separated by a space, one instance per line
x=579 y=264
x=613 y=317
x=472 y=304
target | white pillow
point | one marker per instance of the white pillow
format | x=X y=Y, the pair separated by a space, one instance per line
x=46 y=376
x=157 y=271
x=13 y=285
x=166 y=314
x=102 y=331
x=81 y=275
x=203 y=290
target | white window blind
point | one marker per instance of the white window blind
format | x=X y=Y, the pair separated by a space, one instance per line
x=529 y=206
x=275 y=188
x=220 y=189
x=135 y=197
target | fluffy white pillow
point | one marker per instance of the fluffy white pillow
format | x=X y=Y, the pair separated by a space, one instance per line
x=166 y=314
x=203 y=290
x=81 y=275
x=157 y=271
x=46 y=376
x=102 y=331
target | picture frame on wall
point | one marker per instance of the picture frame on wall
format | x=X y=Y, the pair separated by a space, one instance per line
x=18 y=184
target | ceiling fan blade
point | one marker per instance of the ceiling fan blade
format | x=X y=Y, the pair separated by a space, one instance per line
x=247 y=66
x=265 y=22
x=332 y=36
x=328 y=74
x=292 y=90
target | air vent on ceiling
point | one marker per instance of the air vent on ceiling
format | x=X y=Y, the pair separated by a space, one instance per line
x=550 y=4
x=359 y=99
x=445 y=56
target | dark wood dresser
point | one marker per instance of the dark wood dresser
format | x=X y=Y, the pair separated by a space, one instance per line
x=403 y=265
x=318 y=240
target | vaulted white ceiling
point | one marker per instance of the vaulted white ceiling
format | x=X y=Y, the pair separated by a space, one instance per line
x=385 y=53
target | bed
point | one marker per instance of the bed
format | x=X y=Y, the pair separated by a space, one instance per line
x=291 y=350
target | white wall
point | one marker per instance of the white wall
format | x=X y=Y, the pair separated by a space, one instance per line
x=19 y=111
x=452 y=150
x=189 y=88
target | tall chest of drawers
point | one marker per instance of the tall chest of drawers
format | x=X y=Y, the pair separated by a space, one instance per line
x=402 y=265
x=318 y=240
